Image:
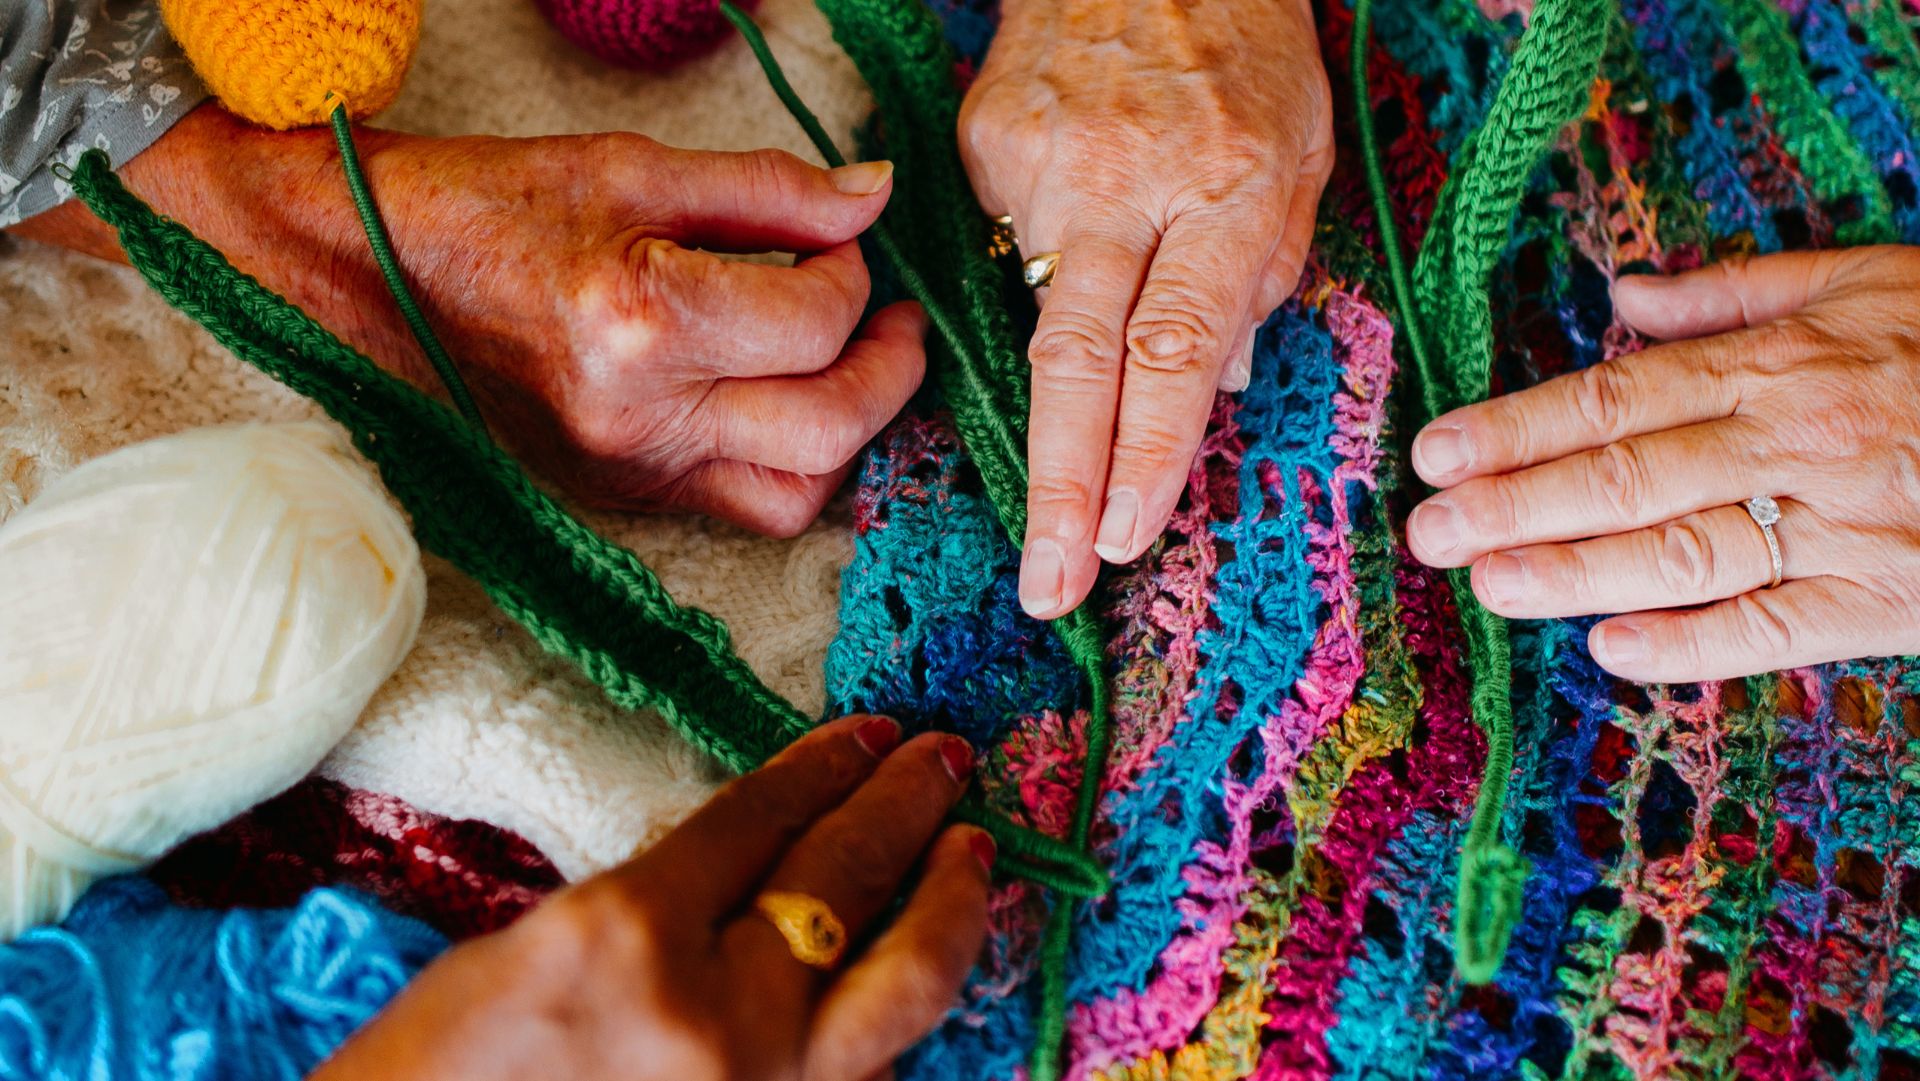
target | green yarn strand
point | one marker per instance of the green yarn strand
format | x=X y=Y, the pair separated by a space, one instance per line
x=940 y=257
x=1390 y=243
x=1446 y=320
x=382 y=245
x=987 y=432
x=579 y=595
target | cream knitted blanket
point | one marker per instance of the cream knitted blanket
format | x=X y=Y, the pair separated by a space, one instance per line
x=478 y=722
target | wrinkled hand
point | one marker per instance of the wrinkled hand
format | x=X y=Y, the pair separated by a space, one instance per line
x=661 y=971
x=1174 y=153
x=562 y=275
x=1618 y=488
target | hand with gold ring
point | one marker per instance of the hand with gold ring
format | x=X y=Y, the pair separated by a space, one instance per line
x=754 y=941
x=1161 y=162
x=1745 y=495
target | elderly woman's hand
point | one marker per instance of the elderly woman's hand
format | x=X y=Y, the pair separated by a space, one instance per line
x=662 y=969
x=1173 y=153
x=1619 y=489
x=566 y=276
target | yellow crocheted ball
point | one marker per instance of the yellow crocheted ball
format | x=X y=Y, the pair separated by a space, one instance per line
x=276 y=62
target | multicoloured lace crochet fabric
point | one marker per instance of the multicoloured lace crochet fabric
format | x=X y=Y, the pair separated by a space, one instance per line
x=1725 y=879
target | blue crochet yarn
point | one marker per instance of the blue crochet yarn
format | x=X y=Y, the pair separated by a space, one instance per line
x=1668 y=35
x=1267 y=618
x=1872 y=117
x=133 y=988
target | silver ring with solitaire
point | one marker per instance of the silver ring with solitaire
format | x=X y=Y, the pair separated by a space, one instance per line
x=1765 y=514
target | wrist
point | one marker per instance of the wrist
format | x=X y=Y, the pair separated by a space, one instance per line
x=276 y=205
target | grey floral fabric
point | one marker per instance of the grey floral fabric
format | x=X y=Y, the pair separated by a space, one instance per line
x=76 y=74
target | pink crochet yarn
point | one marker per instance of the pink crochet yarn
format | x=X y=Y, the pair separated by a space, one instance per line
x=639 y=33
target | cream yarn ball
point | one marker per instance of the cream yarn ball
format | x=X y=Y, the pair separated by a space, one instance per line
x=187 y=627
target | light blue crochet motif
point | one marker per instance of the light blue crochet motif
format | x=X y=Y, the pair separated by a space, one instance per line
x=931 y=630
x=1268 y=612
x=133 y=988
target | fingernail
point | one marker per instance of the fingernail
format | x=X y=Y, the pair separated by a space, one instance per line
x=1239 y=371
x=863 y=179
x=984 y=849
x=1117 y=523
x=1616 y=644
x=1504 y=576
x=1438 y=525
x=957 y=755
x=1442 y=451
x=1043 y=581
x=879 y=735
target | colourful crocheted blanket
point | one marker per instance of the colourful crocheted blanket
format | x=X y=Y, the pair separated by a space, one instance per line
x=1724 y=879
x=1721 y=879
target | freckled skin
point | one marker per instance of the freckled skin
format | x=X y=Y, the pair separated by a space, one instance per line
x=1619 y=489
x=1174 y=152
x=560 y=274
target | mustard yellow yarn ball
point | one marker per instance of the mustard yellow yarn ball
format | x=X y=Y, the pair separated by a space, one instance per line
x=276 y=62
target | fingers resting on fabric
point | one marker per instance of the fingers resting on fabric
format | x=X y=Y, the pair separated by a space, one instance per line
x=1619 y=489
x=1181 y=197
x=663 y=968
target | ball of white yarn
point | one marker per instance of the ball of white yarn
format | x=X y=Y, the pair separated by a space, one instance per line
x=187 y=626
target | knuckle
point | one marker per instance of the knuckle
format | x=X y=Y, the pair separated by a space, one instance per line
x=857 y=860
x=1149 y=446
x=1686 y=557
x=786 y=517
x=1601 y=395
x=653 y=281
x=768 y=173
x=821 y=448
x=602 y=921
x=1072 y=347
x=1619 y=479
x=1173 y=340
x=1052 y=492
x=1763 y=627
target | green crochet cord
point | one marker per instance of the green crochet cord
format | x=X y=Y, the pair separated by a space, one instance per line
x=900 y=51
x=1446 y=318
x=377 y=238
x=581 y=596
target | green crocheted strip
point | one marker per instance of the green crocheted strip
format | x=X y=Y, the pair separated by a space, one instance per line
x=1445 y=317
x=581 y=596
x=939 y=252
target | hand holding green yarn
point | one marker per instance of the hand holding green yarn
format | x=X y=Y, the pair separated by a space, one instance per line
x=598 y=344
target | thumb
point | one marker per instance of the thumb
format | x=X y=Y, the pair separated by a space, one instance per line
x=1734 y=293
x=768 y=200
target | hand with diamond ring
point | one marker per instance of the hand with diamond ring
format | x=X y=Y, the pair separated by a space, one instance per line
x=1172 y=153
x=1622 y=488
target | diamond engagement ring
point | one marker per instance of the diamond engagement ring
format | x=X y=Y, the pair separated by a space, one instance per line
x=1765 y=513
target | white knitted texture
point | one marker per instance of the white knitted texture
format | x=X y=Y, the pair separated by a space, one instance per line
x=478 y=721
x=187 y=627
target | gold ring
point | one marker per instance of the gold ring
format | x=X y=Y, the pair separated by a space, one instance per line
x=1002 y=241
x=815 y=936
x=1038 y=271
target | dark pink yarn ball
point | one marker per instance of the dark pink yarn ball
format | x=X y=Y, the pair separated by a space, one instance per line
x=640 y=33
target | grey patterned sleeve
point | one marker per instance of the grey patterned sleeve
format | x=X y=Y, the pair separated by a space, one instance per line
x=76 y=74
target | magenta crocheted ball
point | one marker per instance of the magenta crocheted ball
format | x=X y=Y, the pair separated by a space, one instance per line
x=639 y=33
